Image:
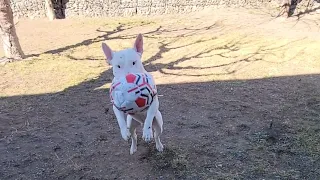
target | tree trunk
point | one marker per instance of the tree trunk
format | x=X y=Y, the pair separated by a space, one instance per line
x=11 y=45
x=50 y=11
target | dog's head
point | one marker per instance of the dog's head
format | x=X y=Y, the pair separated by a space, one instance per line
x=125 y=61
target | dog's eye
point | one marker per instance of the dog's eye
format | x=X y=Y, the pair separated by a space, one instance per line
x=134 y=63
x=118 y=66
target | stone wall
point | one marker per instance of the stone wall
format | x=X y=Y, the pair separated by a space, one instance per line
x=103 y=8
x=28 y=8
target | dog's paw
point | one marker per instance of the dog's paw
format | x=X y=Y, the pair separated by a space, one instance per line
x=133 y=149
x=125 y=133
x=159 y=147
x=147 y=135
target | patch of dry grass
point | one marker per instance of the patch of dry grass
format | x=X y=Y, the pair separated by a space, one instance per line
x=46 y=74
x=172 y=159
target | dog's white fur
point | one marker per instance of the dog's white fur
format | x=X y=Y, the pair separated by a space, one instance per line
x=129 y=61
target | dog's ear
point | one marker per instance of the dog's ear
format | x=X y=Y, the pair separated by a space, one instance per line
x=107 y=52
x=138 y=44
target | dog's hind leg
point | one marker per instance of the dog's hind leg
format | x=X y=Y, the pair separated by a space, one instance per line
x=132 y=125
x=157 y=125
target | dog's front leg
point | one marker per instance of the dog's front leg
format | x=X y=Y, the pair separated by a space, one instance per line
x=151 y=113
x=121 y=118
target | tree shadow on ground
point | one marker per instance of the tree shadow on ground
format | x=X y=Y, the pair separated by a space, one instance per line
x=291 y=5
x=116 y=34
x=233 y=64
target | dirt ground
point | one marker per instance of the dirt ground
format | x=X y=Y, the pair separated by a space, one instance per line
x=239 y=96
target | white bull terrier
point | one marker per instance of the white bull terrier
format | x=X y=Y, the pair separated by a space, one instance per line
x=129 y=61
